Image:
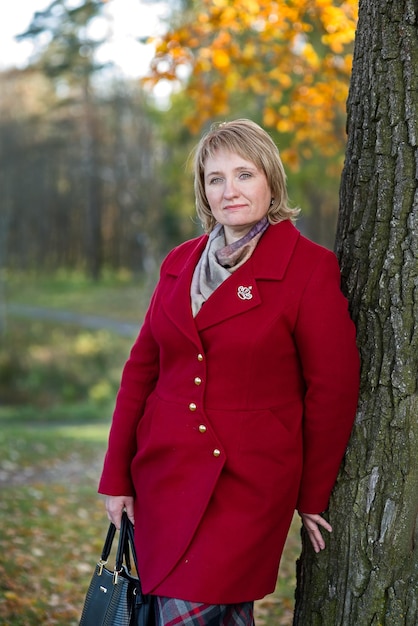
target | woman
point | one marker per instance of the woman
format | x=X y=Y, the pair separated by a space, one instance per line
x=238 y=398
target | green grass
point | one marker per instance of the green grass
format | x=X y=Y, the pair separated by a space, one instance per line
x=122 y=296
x=39 y=447
x=52 y=520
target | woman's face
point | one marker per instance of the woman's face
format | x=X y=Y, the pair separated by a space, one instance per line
x=237 y=191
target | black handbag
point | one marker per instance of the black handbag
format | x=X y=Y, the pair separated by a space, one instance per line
x=115 y=598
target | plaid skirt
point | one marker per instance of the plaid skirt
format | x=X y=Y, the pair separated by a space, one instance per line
x=174 y=612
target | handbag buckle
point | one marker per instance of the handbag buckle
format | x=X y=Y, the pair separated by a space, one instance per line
x=101 y=565
x=116 y=573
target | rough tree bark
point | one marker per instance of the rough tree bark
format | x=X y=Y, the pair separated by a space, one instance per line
x=368 y=575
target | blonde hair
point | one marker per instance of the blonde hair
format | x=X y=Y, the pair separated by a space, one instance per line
x=253 y=143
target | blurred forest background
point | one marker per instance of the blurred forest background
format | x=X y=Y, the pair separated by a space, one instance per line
x=93 y=167
x=95 y=189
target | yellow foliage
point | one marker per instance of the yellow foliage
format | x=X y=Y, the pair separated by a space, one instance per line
x=220 y=59
x=101 y=391
x=249 y=51
x=311 y=57
x=284 y=79
x=269 y=117
x=251 y=6
x=267 y=48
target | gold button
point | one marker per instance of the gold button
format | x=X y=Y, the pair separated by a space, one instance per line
x=200 y=357
x=202 y=428
x=192 y=406
x=197 y=380
x=216 y=452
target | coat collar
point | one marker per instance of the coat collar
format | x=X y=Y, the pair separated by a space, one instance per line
x=274 y=251
x=270 y=258
x=239 y=293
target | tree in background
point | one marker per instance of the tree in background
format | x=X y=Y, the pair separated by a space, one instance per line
x=69 y=58
x=369 y=573
x=84 y=157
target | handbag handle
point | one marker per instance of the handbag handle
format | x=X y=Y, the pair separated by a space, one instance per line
x=131 y=545
x=131 y=541
x=123 y=548
x=124 y=544
x=127 y=547
x=107 y=547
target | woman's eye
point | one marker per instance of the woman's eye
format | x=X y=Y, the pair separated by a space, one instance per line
x=215 y=180
x=245 y=175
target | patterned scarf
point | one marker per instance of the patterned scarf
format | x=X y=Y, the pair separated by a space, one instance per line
x=218 y=261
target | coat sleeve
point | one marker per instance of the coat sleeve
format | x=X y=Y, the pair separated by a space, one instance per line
x=139 y=377
x=326 y=341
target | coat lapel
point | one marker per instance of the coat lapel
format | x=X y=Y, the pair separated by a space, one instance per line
x=274 y=251
x=176 y=298
x=237 y=294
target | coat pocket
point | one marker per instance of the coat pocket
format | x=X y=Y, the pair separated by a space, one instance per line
x=272 y=433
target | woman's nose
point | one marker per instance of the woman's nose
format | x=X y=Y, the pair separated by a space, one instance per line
x=230 y=188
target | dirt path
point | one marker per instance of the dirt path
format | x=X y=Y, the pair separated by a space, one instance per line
x=94 y=322
x=73 y=469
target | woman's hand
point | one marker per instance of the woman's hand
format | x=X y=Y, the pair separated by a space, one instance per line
x=115 y=505
x=312 y=522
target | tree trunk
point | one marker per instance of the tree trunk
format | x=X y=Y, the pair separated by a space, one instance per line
x=368 y=575
x=93 y=233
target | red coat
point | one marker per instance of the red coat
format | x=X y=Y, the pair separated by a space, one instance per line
x=227 y=422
